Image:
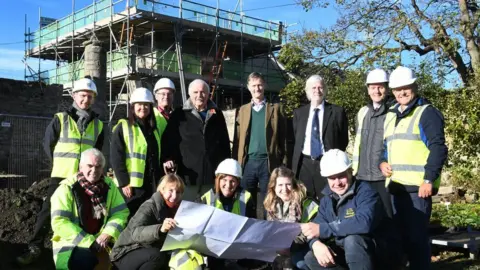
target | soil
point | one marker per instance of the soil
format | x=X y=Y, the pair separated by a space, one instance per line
x=20 y=207
x=17 y=220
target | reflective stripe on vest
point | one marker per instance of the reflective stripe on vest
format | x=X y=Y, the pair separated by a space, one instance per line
x=70 y=144
x=186 y=260
x=161 y=122
x=358 y=139
x=309 y=209
x=136 y=151
x=239 y=206
x=407 y=153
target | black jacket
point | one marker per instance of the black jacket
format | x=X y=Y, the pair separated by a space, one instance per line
x=371 y=144
x=143 y=230
x=334 y=130
x=432 y=132
x=53 y=132
x=197 y=147
x=118 y=156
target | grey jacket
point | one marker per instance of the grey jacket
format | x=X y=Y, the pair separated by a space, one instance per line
x=143 y=230
x=371 y=144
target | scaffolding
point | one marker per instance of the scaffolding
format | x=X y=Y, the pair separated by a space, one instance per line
x=130 y=28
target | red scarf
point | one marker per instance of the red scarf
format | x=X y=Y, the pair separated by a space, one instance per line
x=164 y=113
x=97 y=192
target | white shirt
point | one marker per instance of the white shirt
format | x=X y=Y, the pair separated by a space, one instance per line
x=308 y=130
x=258 y=106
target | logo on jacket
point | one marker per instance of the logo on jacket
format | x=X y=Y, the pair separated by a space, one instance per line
x=349 y=213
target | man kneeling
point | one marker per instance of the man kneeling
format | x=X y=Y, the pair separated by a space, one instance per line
x=88 y=214
x=347 y=232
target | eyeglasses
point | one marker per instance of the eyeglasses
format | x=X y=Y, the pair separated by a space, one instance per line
x=163 y=94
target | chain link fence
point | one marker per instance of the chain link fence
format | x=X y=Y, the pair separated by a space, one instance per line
x=22 y=159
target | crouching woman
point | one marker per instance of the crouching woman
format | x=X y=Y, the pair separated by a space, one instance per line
x=286 y=201
x=138 y=246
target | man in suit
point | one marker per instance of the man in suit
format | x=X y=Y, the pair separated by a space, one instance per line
x=259 y=142
x=317 y=127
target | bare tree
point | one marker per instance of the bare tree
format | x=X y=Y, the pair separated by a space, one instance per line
x=377 y=31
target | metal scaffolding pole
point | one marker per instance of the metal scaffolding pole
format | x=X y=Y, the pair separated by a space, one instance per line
x=178 y=48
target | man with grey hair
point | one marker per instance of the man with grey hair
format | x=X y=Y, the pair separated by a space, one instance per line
x=317 y=127
x=196 y=141
x=88 y=213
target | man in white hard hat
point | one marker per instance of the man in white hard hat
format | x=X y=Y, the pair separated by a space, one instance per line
x=69 y=134
x=164 y=91
x=352 y=214
x=196 y=140
x=368 y=146
x=414 y=155
x=260 y=138
x=317 y=127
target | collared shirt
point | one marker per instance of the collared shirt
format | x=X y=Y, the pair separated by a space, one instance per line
x=308 y=130
x=258 y=106
x=165 y=113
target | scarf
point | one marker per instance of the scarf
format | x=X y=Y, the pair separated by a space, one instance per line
x=286 y=212
x=165 y=113
x=172 y=207
x=83 y=117
x=97 y=192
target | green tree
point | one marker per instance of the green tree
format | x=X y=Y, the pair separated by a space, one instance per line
x=377 y=32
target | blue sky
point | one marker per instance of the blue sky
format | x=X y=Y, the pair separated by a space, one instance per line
x=12 y=23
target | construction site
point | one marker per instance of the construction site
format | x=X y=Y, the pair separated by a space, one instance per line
x=121 y=45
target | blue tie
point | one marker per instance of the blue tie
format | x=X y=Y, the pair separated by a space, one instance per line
x=315 y=145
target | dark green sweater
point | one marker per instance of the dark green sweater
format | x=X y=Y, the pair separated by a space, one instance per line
x=257 y=147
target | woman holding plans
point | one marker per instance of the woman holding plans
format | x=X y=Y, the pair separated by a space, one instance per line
x=286 y=201
x=229 y=196
x=138 y=246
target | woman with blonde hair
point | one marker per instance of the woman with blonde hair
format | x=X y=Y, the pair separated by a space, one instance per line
x=287 y=201
x=138 y=246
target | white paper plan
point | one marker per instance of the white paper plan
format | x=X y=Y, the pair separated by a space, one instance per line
x=212 y=231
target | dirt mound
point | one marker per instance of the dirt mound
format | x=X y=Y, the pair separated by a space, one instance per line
x=17 y=221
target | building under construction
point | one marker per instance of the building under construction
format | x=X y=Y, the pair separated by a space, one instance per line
x=123 y=44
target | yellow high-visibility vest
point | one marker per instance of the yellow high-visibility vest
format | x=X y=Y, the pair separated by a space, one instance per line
x=358 y=139
x=67 y=233
x=239 y=205
x=309 y=210
x=160 y=121
x=186 y=259
x=407 y=153
x=71 y=143
x=136 y=151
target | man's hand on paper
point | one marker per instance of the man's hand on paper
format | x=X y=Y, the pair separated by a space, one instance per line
x=310 y=230
x=168 y=224
x=323 y=254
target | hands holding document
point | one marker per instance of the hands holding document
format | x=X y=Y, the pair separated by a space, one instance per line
x=218 y=233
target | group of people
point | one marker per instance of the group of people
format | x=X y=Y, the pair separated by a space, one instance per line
x=359 y=213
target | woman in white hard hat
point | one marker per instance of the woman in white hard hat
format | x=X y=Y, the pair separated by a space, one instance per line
x=287 y=201
x=229 y=196
x=135 y=151
x=138 y=246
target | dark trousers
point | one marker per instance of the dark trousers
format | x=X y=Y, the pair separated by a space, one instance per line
x=42 y=223
x=140 y=195
x=412 y=216
x=385 y=196
x=82 y=259
x=354 y=252
x=143 y=259
x=309 y=174
x=256 y=176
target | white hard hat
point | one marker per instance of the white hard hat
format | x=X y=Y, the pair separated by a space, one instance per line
x=229 y=166
x=377 y=75
x=164 y=83
x=84 y=84
x=333 y=162
x=141 y=95
x=402 y=76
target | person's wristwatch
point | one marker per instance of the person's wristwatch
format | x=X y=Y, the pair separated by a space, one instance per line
x=427 y=181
